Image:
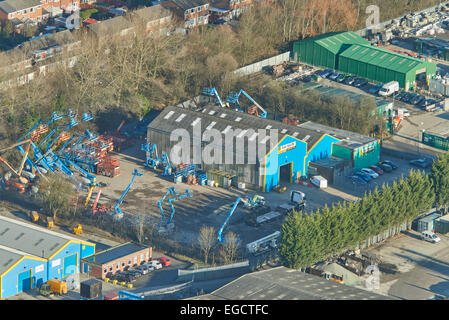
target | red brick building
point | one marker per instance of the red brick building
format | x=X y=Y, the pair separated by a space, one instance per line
x=193 y=12
x=116 y=259
x=228 y=9
x=155 y=19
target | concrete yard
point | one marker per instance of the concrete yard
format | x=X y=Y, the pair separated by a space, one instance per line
x=422 y=266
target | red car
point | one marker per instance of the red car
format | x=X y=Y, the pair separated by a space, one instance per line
x=165 y=261
x=377 y=170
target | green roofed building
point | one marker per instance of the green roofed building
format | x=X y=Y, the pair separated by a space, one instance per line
x=352 y=54
x=324 y=49
x=383 y=65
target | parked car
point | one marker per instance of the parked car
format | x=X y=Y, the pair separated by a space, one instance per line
x=375 y=88
x=406 y=97
x=326 y=73
x=349 y=80
x=357 y=179
x=148 y=267
x=417 y=99
x=364 y=176
x=385 y=167
x=390 y=163
x=377 y=170
x=218 y=21
x=370 y=172
x=360 y=82
x=134 y=272
x=430 y=236
x=400 y=95
x=155 y=264
x=422 y=163
x=340 y=78
x=334 y=76
x=142 y=269
x=165 y=261
x=125 y=277
x=111 y=276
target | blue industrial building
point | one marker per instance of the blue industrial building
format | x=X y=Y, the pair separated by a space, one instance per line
x=31 y=255
x=284 y=160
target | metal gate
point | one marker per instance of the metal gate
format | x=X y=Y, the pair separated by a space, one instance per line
x=24 y=281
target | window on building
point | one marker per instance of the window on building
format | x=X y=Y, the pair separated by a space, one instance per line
x=111 y=268
x=89 y=268
x=123 y=263
x=105 y=270
x=142 y=257
x=118 y=266
x=24 y=11
x=198 y=9
x=31 y=10
x=130 y=261
x=147 y=255
x=186 y=12
x=193 y=10
x=11 y=15
x=135 y=259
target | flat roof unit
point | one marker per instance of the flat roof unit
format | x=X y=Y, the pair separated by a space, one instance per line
x=115 y=253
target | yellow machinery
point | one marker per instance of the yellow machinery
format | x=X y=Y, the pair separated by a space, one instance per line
x=50 y=222
x=280 y=189
x=57 y=286
x=34 y=216
x=78 y=230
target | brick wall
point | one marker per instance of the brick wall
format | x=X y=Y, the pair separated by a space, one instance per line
x=118 y=265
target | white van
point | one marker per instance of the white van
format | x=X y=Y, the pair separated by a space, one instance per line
x=430 y=236
x=389 y=88
x=318 y=181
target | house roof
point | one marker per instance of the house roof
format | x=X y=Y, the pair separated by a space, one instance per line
x=221 y=4
x=287 y=284
x=110 y=27
x=189 y=4
x=115 y=253
x=10 y=6
x=152 y=13
x=382 y=58
x=30 y=239
x=225 y=120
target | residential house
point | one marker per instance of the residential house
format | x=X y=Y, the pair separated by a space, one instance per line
x=156 y=20
x=193 y=12
x=106 y=30
x=21 y=12
x=228 y=9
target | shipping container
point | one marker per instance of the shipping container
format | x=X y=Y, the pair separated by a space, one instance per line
x=442 y=225
x=91 y=288
x=435 y=140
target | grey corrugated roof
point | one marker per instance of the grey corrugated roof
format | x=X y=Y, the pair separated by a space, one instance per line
x=188 y=4
x=7 y=259
x=30 y=239
x=152 y=13
x=110 y=27
x=10 y=6
x=226 y=118
x=348 y=136
x=115 y=253
x=287 y=284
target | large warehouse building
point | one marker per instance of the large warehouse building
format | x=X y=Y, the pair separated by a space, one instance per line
x=350 y=53
x=31 y=255
x=284 y=160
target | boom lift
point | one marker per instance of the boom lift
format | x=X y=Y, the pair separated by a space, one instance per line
x=170 y=190
x=152 y=158
x=234 y=98
x=117 y=211
x=213 y=92
x=220 y=232
x=186 y=194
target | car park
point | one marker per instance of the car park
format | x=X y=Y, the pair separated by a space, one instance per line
x=390 y=163
x=375 y=88
x=340 y=78
x=370 y=172
x=166 y=262
x=385 y=167
x=357 y=179
x=334 y=76
x=155 y=264
x=142 y=269
x=422 y=163
x=417 y=99
x=326 y=73
x=377 y=170
x=364 y=176
x=349 y=80
x=360 y=82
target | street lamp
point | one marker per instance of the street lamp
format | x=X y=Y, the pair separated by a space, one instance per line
x=417 y=140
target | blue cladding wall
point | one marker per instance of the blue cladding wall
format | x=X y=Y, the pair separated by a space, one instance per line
x=277 y=157
x=56 y=263
x=87 y=250
x=10 y=280
x=321 y=150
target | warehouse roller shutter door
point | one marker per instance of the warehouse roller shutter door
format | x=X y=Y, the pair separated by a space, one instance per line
x=70 y=264
x=24 y=281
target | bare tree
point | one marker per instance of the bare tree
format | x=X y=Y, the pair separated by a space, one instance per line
x=229 y=247
x=58 y=197
x=206 y=239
